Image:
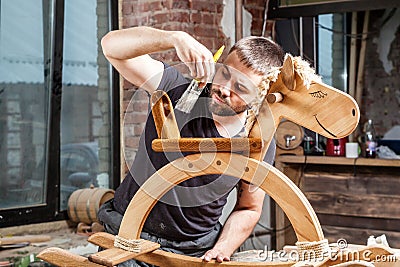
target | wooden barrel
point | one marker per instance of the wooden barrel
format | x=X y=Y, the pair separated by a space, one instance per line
x=83 y=204
x=288 y=135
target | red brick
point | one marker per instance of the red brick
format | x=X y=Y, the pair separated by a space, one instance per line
x=128 y=93
x=203 y=6
x=126 y=107
x=132 y=142
x=139 y=106
x=254 y=2
x=175 y=27
x=209 y=43
x=127 y=8
x=161 y=17
x=138 y=129
x=135 y=117
x=141 y=95
x=182 y=4
x=167 y=4
x=202 y=31
x=127 y=21
x=195 y=17
x=256 y=13
x=219 y=8
x=155 y=6
x=179 y=16
x=128 y=86
x=139 y=7
x=256 y=26
x=208 y=18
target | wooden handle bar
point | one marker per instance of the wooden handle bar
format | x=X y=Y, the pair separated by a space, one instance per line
x=274 y=98
x=207 y=145
x=163 y=114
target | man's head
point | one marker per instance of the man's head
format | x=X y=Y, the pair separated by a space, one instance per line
x=236 y=81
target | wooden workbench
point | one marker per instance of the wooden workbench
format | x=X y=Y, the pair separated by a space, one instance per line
x=353 y=198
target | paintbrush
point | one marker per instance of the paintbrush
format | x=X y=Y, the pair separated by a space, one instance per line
x=192 y=93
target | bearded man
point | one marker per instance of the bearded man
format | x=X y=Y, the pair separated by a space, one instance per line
x=186 y=220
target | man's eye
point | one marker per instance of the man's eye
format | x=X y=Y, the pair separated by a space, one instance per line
x=226 y=74
x=241 y=89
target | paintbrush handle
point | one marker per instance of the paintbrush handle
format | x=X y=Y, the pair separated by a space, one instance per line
x=216 y=57
x=218 y=54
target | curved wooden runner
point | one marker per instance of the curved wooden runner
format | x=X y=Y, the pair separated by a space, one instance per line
x=287 y=195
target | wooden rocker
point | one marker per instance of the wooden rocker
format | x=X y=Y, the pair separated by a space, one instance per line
x=294 y=94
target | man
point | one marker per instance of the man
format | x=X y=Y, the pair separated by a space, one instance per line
x=186 y=219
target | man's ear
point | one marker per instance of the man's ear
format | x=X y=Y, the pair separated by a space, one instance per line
x=288 y=73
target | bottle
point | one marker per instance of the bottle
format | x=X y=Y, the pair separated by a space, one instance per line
x=308 y=145
x=370 y=140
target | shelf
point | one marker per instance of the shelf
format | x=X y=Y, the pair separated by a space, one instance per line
x=338 y=161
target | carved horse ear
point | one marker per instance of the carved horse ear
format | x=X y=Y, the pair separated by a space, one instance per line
x=288 y=73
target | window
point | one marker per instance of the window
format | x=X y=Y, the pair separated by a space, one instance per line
x=23 y=104
x=85 y=104
x=57 y=106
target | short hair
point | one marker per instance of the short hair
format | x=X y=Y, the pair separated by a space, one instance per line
x=259 y=53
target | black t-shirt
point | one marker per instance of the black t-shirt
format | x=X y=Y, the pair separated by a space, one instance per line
x=192 y=208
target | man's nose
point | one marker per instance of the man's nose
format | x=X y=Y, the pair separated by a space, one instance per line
x=225 y=91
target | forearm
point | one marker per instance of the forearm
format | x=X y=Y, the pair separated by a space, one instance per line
x=236 y=230
x=138 y=41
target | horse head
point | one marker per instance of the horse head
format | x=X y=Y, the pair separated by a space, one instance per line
x=299 y=96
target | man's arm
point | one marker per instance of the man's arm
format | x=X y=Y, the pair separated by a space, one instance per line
x=240 y=223
x=128 y=49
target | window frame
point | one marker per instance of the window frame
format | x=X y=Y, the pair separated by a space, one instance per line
x=276 y=10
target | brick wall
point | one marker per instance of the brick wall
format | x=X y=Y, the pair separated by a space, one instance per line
x=200 y=18
x=256 y=9
x=381 y=94
x=103 y=90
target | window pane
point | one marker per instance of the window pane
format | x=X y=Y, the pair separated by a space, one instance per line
x=23 y=104
x=332 y=50
x=85 y=113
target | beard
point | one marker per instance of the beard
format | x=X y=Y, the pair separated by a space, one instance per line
x=225 y=108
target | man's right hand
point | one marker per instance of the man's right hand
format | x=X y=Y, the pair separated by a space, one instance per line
x=128 y=49
x=196 y=56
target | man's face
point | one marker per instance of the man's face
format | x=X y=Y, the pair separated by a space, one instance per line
x=234 y=87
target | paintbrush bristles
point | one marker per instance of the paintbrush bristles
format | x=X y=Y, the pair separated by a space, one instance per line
x=189 y=97
x=192 y=93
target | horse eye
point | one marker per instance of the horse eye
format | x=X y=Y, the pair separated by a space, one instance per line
x=354 y=112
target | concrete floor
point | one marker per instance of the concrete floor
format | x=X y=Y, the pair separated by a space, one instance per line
x=63 y=235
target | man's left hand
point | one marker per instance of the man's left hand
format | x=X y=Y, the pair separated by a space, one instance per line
x=216 y=254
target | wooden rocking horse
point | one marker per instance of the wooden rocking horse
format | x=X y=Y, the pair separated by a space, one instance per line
x=292 y=95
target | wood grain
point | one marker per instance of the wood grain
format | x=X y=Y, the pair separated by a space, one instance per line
x=164 y=116
x=60 y=257
x=340 y=161
x=371 y=184
x=381 y=224
x=113 y=256
x=207 y=145
x=377 y=206
x=359 y=235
